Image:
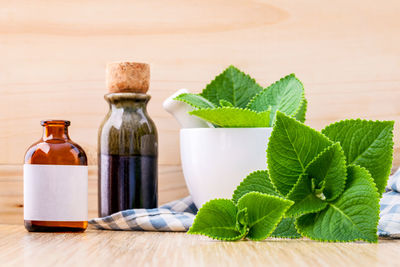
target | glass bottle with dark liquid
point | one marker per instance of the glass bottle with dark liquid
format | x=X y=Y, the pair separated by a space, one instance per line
x=55 y=182
x=128 y=148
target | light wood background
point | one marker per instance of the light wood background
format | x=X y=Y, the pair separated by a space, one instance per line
x=53 y=56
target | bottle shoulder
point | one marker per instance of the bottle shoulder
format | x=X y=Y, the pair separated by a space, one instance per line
x=57 y=152
x=125 y=120
x=126 y=132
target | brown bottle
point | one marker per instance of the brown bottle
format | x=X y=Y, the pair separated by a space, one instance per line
x=55 y=182
x=128 y=144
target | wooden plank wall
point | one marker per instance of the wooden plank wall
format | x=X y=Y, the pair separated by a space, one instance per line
x=53 y=56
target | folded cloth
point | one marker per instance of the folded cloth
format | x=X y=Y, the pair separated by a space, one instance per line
x=178 y=216
x=175 y=216
x=389 y=223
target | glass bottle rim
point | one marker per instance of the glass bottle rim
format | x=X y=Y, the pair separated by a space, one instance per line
x=127 y=95
x=55 y=123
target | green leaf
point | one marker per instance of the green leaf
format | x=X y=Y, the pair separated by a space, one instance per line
x=285 y=95
x=286 y=229
x=305 y=199
x=301 y=112
x=233 y=117
x=194 y=100
x=233 y=86
x=217 y=219
x=329 y=167
x=242 y=221
x=257 y=181
x=292 y=146
x=224 y=103
x=353 y=216
x=366 y=143
x=264 y=213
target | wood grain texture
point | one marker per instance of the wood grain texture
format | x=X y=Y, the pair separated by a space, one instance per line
x=105 y=248
x=171 y=187
x=53 y=56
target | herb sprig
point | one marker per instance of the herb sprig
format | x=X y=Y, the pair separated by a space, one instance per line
x=322 y=185
x=234 y=99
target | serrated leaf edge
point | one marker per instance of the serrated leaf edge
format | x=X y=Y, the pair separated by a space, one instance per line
x=303 y=101
x=390 y=123
x=276 y=224
x=242 y=182
x=303 y=97
x=273 y=133
x=225 y=70
x=343 y=161
x=242 y=235
x=226 y=107
x=177 y=98
x=193 y=112
x=269 y=86
x=378 y=195
x=191 y=232
x=288 y=236
x=345 y=241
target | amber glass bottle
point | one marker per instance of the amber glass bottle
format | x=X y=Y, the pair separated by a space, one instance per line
x=55 y=182
x=127 y=142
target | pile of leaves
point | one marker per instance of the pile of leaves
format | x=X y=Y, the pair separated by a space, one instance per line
x=234 y=99
x=322 y=185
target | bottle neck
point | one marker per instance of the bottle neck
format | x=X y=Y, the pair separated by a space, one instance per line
x=132 y=101
x=55 y=129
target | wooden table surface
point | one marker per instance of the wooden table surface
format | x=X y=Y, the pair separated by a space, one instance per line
x=103 y=248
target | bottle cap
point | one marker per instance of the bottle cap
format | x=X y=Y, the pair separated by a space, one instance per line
x=128 y=77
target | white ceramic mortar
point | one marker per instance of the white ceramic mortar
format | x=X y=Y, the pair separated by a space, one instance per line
x=216 y=160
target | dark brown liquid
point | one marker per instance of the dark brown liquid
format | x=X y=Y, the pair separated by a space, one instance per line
x=127 y=182
x=51 y=226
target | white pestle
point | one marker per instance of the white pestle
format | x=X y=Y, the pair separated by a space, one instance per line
x=180 y=110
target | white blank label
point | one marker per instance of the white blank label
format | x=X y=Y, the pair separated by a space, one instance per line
x=55 y=192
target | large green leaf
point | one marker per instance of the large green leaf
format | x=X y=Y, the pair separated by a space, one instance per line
x=329 y=168
x=292 y=146
x=264 y=213
x=233 y=86
x=286 y=229
x=366 y=143
x=194 y=100
x=233 y=117
x=285 y=95
x=217 y=219
x=305 y=198
x=353 y=216
x=257 y=181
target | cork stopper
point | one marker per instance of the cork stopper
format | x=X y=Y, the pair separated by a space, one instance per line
x=123 y=77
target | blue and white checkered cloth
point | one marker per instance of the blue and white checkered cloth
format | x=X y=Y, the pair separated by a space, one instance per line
x=178 y=216
x=389 y=223
x=175 y=216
